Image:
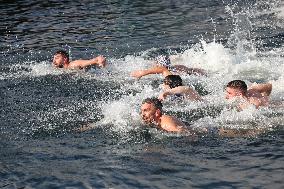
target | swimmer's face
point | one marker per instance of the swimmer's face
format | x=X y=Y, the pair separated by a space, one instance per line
x=59 y=60
x=232 y=93
x=148 y=113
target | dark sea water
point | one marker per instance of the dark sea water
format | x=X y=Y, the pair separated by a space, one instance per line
x=42 y=108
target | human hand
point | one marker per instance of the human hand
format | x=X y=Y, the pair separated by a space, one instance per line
x=101 y=61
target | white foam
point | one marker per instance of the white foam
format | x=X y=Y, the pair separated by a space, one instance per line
x=209 y=56
x=238 y=61
x=224 y=65
x=280 y=11
x=121 y=114
x=44 y=68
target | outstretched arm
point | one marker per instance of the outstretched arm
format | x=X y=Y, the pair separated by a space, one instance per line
x=182 y=90
x=99 y=60
x=154 y=70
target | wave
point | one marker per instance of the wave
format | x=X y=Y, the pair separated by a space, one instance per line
x=118 y=96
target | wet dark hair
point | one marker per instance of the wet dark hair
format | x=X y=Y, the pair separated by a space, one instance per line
x=173 y=81
x=155 y=101
x=63 y=53
x=238 y=84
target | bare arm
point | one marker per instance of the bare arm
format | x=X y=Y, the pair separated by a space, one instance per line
x=154 y=70
x=99 y=60
x=240 y=132
x=187 y=70
x=182 y=90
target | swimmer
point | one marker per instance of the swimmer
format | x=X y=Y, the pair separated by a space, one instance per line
x=163 y=66
x=173 y=86
x=152 y=113
x=256 y=95
x=61 y=60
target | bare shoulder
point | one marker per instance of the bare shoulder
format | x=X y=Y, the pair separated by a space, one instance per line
x=170 y=118
x=254 y=93
x=187 y=88
x=258 y=101
x=76 y=64
x=263 y=88
x=170 y=123
x=191 y=94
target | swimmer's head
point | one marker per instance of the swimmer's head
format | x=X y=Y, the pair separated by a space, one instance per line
x=151 y=110
x=60 y=58
x=172 y=81
x=236 y=88
x=163 y=60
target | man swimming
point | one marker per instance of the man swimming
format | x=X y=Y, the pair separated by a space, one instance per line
x=173 y=86
x=256 y=95
x=61 y=60
x=152 y=113
x=163 y=66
